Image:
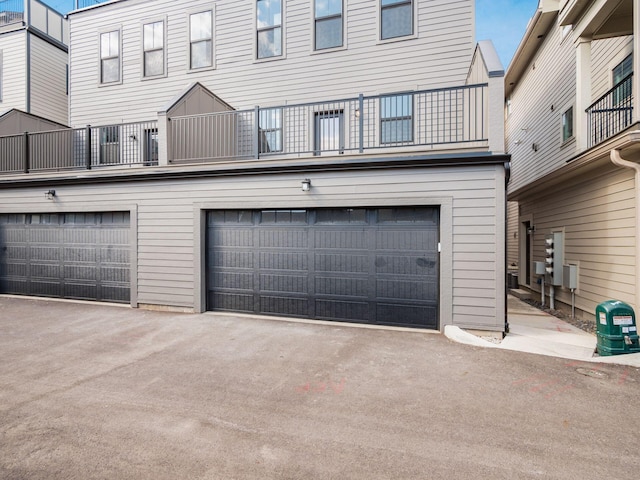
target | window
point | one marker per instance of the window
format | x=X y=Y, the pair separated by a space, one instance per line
x=110 y=145
x=269 y=28
x=328 y=24
x=151 y=146
x=329 y=131
x=567 y=124
x=110 y=57
x=153 y=45
x=201 y=40
x=396 y=18
x=396 y=117
x=621 y=84
x=270 y=127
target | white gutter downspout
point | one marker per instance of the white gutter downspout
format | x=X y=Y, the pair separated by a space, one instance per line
x=617 y=160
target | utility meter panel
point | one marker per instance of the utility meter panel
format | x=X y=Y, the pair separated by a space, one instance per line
x=553 y=258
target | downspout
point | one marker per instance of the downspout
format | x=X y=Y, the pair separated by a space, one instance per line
x=617 y=160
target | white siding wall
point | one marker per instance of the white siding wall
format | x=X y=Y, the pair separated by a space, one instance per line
x=14 y=70
x=472 y=224
x=48 y=81
x=438 y=57
x=550 y=82
x=597 y=215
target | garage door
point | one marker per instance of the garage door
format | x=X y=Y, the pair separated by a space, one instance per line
x=370 y=265
x=73 y=255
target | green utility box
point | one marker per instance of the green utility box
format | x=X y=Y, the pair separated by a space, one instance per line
x=617 y=332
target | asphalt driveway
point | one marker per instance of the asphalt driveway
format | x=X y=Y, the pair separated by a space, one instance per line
x=89 y=391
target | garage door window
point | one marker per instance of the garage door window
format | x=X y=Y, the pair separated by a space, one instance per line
x=284 y=216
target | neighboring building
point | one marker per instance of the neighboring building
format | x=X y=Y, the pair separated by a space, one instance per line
x=340 y=160
x=572 y=131
x=33 y=59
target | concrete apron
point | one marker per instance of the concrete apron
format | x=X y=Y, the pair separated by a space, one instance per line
x=534 y=331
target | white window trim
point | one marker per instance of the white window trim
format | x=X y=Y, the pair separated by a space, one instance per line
x=147 y=21
x=414 y=35
x=283 y=26
x=313 y=30
x=214 y=30
x=114 y=28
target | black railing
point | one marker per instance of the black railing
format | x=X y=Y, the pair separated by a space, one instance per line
x=612 y=112
x=80 y=148
x=427 y=118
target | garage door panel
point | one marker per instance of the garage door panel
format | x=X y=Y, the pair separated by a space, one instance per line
x=341 y=240
x=287 y=306
x=39 y=253
x=79 y=235
x=284 y=260
x=407 y=315
x=282 y=239
x=343 y=310
x=284 y=283
x=339 y=286
x=233 y=259
x=358 y=265
x=354 y=263
x=79 y=254
x=115 y=255
x=232 y=302
x=13 y=253
x=14 y=270
x=42 y=288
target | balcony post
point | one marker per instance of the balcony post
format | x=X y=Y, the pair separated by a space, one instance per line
x=361 y=123
x=256 y=133
x=583 y=92
x=165 y=150
x=87 y=147
x=25 y=152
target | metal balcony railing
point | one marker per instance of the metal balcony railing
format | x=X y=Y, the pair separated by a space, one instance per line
x=80 y=148
x=612 y=112
x=425 y=118
x=11 y=11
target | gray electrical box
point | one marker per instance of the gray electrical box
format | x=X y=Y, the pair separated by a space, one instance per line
x=554 y=248
x=570 y=276
x=539 y=268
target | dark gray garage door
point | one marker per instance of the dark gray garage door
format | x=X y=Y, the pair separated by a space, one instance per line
x=72 y=255
x=354 y=264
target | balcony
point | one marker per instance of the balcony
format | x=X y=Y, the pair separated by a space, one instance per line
x=611 y=113
x=434 y=120
x=35 y=13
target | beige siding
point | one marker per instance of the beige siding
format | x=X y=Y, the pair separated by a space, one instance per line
x=48 y=81
x=439 y=56
x=597 y=215
x=169 y=250
x=542 y=95
x=13 y=47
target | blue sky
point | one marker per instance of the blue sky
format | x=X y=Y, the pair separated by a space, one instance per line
x=503 y=21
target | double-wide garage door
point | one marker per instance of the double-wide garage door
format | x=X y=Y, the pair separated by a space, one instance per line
x=71 y=255
x=370 y=265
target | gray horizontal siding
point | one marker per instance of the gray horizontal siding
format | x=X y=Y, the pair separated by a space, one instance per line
x=48 y=81
x=167 y=223
x=438 y=57
x=13 y=47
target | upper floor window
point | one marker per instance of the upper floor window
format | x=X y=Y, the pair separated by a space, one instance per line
x=396 y=117
x=328 y=24
x=623 y=90
x=567 y=124
x=153 y=45
x=201 y=40
x=110 y=57
x=269 y=28
x=396 y=18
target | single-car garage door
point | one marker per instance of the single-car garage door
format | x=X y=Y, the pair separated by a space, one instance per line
x=71 y=255
x=370 y=265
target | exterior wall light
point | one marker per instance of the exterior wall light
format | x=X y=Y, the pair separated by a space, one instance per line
x=306 y=185
x=50 y=194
